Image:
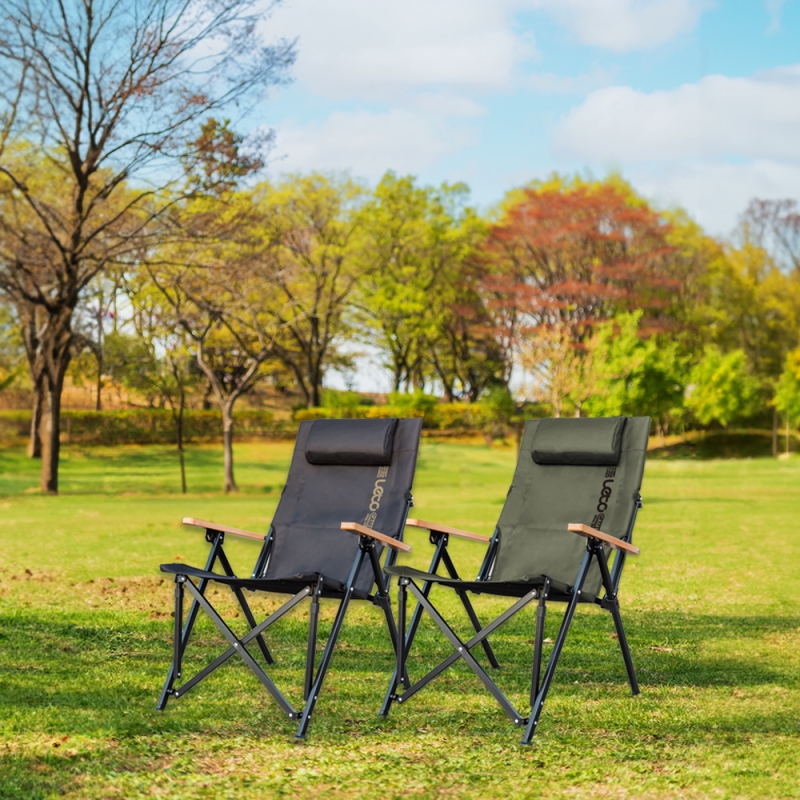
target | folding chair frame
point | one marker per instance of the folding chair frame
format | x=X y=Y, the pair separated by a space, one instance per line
x=313 y=680
x=539 y=686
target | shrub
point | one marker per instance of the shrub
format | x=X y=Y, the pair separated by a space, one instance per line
x=142 y=425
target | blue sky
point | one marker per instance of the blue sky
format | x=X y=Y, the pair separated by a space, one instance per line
x=696 y=102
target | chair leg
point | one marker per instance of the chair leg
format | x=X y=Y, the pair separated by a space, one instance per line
x=623 y=644
x=441 y=544
x=166 y=691
x=552 y=662
x=611 y=602
x=463 y=651
x=327 y=654
x=416 y=617
x=541 y=612
x=248 y=614
x=311 y=651
x=238 y=646
x=178 y=626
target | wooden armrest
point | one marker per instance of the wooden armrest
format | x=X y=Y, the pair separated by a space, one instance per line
x=362 y=530
x=432 y=526
x=214 y=526
x=611 y=541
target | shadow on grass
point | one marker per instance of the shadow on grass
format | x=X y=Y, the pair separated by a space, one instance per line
x=80 y=677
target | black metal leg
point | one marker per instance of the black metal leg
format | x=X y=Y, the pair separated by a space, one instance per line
x=473 y=617
x=441 y=543
x=248 y=637
x=463 y=651
x=327 y=654
x=178 y=625
x=476 y=639
x=238 y=645
x=248 y=614
x=552 y=662
x=541 y=613
x=251 y=621
x=612 y=604
x=311 y=651
x=382 y=596
x=216 y=540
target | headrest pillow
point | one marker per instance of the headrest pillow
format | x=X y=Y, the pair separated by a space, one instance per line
x=579 y=441
x=351 y=442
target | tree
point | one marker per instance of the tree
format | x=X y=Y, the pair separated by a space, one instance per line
x=154 y=360
x=107 y=92
x=218 y=279
x=774 y=225
x=721 y=389
x=309 y=228
x=568 y=256
x=787 y=394
x=419 y=301
x=635 y=375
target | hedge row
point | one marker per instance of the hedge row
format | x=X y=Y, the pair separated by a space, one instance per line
x=157 y=426
x=440 y=417
x=144 y=426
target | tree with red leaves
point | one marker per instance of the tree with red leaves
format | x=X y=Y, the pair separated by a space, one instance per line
x=565 y=257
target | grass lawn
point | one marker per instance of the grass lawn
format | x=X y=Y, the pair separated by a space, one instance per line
x=711 y=610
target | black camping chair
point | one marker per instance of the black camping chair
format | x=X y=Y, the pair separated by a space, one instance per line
x=574 y=498
x=342 y=470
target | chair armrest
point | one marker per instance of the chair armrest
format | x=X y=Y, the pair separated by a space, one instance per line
x=215 y=526
x=611 y=541
x=362 y=530
x=434 y=528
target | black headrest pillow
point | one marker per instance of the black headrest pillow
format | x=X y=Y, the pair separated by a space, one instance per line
x=351 y=442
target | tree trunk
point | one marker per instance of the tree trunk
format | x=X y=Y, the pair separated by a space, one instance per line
x=774 y=432
x=49 y=432
x=227 y=447
x=787 y=437
x=99 y=401
x=35 y=444
x=179 y=437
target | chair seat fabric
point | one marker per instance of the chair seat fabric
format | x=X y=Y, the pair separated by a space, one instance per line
x=500 y=588
x=330 y=588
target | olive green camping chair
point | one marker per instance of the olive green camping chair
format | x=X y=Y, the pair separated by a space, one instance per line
x=574 y=499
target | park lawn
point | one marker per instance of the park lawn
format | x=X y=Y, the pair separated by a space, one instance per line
x=85 y=640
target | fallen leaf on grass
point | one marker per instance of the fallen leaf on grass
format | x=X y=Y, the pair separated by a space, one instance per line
x=661 y=649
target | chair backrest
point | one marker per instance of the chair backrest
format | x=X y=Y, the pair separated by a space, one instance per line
x=587 y=471
x=352 y=470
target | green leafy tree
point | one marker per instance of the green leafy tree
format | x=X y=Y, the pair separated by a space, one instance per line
x=722 y=389
x=629 y=374
x=309 y=234
x=420 y=299
x=787 y=392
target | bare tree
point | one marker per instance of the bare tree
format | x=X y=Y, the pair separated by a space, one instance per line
x=222 y=308
x=104 y=93
x=775 y=226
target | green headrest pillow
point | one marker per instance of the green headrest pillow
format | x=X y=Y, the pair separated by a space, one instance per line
x=579 y=441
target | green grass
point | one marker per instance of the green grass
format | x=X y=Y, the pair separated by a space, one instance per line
x=85 y=639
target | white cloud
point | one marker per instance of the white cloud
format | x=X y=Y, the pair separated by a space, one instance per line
x=716 y=194
x=625 y=25
x=381 y=49
x=752 y=117
x=368 y=143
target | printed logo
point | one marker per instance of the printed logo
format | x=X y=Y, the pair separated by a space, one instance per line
x=377 y=494
x=605 y=496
